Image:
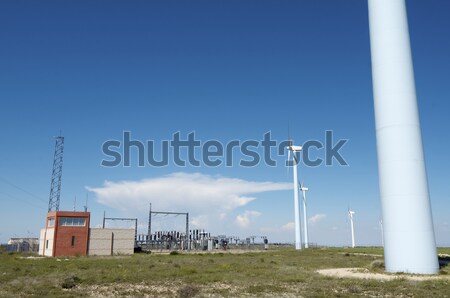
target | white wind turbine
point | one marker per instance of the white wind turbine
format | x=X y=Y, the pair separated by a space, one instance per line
x=404 y=193
x=350 y=216
x=295 y=149
x=304 y=189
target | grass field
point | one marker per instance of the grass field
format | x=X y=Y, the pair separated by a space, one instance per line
x=272 y=273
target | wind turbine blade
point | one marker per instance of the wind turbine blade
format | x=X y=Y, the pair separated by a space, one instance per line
x=289 y=133
x=288 y=162
x=295 y=157
x=289 y=148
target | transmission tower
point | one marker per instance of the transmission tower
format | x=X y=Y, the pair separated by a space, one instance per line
x=55 y=188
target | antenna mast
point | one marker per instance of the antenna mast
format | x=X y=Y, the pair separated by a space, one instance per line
x=55 y=187
x=86 y=206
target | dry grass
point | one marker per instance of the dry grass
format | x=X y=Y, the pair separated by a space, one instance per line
x=279 y=272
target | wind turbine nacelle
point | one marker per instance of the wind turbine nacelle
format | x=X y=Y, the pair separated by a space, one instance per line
x=294 y=148
x=304 y=188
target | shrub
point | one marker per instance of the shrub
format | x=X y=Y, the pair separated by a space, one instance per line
x=188 y=291
x=377 y=265
x=70 y=282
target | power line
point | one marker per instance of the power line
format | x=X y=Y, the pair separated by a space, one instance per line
x=21 y=199
x=22 y=189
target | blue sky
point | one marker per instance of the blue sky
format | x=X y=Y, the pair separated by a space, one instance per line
x=226 y=70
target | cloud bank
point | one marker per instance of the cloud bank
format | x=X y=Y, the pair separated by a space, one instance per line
x=316 y=217
x=203 y=196
x=290 y=226
x=244 y=220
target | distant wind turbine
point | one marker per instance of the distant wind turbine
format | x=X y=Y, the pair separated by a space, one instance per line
x=294 y=150
x=350 y=216
x=304 y=189
x=382 y=232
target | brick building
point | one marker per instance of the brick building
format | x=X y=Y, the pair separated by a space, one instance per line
x=66 y=234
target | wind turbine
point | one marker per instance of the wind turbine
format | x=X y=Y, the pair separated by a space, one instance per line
x=409 y=241
x=295 y=149
x=304 y=189
x=350 y=216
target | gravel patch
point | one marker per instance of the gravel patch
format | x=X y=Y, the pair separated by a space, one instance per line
x=360 y=273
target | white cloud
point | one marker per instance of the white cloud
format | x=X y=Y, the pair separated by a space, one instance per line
x=207 y=198
x=244 y=220
x=269 y=229
x=288 y=227
x=315 y=218
x=200 y=221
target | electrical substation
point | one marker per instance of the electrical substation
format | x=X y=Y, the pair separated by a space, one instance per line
x=195 y=239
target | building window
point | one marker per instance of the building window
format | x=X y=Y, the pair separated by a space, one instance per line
x=72 y=221
x=46 y=244
x=73 y=241
x=51 y=222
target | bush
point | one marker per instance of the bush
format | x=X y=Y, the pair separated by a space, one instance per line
x=377 y=266
x=188 y=291
x=70 y=282
x=174 y=253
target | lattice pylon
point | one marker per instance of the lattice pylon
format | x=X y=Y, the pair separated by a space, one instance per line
x=55 y=187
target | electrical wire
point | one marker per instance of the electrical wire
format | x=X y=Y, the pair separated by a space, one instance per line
x=22 y=189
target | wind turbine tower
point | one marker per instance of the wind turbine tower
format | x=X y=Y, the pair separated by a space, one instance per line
x=350 y=216
x=294 y=150
x=304 y=189
x=409 y=239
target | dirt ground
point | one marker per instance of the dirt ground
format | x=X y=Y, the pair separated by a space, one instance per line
x=366 y=274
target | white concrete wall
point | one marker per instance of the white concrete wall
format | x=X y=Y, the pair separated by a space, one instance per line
x=43 y=251
x=41 y=242
x=106 y=242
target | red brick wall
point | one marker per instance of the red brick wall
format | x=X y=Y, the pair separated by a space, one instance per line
x=63 y=235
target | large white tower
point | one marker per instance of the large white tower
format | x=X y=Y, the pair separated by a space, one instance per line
x=295 y=150
x=352 y=227
x=298 y=237
x=305 y=217
x=407 y=221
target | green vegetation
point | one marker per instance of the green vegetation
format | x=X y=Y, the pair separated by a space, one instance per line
x=377 y=266
x=279 y=272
